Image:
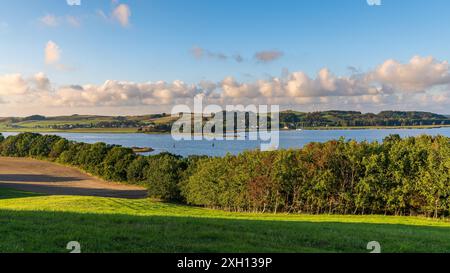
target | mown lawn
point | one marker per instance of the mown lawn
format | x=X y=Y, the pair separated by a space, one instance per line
x=34 y=223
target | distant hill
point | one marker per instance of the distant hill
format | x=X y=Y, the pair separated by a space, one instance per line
x=288 y=120
x=294 y=119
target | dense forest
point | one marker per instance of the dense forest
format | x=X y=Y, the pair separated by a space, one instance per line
x=409 y=176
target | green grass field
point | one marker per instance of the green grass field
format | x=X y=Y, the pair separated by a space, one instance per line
x=78 y=130
x=31 y=222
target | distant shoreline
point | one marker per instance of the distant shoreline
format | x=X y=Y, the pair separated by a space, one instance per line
x=135 y=130
x=371 y=127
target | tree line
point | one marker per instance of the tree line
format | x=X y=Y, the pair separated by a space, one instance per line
x=292 y=119
x=409 y=176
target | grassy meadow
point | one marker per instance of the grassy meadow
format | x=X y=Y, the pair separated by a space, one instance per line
x=327 y=120
x=31 y=222
x=77 y=130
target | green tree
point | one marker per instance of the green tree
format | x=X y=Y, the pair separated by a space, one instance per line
x=42 y=146
x=58 y=148
x=136 y=171
x=18 y=145
x=90 y=158
x=116 y=162
x=163 y=175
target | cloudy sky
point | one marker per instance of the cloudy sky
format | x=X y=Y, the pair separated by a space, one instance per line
x=120 y=57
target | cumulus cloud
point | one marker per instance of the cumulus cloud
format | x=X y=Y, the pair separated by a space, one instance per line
x=12 y=84
x=52 y=53
x=268 y=56
x=415 y=76
x=117 y=93
x=392 y=85
x=41 y=82
x=122 y=14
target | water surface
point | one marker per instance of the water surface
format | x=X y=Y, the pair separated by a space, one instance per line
x=288 y=139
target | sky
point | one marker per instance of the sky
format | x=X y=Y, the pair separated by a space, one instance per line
x=117 y=57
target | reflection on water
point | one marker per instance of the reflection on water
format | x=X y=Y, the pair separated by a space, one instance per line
x=288 y=139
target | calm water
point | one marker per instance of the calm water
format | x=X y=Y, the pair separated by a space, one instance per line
x=288 y=139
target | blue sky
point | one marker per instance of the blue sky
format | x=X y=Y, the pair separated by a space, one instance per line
x=156 y=40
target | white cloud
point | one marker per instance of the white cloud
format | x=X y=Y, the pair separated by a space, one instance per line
x=13 y=84
x=416 y=76
x=392 y=85
x=122 y=14
x=52 y=53
x=117 y=93
x=41 y=82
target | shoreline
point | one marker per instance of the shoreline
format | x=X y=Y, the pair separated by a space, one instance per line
x=135 y=131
